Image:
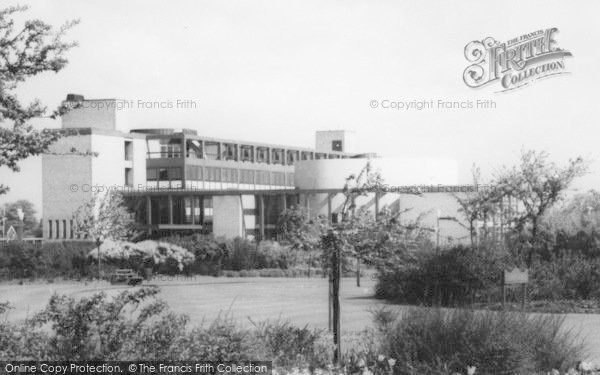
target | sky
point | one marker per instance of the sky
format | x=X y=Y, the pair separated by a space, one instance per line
x=277 y=71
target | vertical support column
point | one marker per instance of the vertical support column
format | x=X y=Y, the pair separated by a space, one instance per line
x=170 y=203
x=191 y=200
x=377 y=204
x=307 y=202
x=284 y=201
x=149 y=213
x=329 y=208
x=220 y=156
x=261 y=208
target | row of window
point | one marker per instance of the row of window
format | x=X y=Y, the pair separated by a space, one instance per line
x=216 y=174
x=173 y=148
x=62 y=229
x=183 y=210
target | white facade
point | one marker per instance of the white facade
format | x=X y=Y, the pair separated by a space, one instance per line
x=97 y=156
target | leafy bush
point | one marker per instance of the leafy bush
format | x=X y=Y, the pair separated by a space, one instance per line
x=170 y=257
x=453 y=277
x=566 y=276
x=208 y=252
x=289 y=346
x=272 y=272
x=134 y=325
x=430 y=340
x=52 y=259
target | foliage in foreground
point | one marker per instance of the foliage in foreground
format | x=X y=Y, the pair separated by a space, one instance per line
x=134 y=325
x=440 y=341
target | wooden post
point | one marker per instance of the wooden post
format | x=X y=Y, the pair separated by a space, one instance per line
x=330 y=302
x=336 y=268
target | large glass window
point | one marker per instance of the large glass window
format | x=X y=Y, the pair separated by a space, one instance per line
x=211 y=150
x=208 y=211
x=278 y=178
x=151 y=174
x=193 y=149
x=198 y=219
x=213 y=174
x=230 y=175
x=164 y=210
x=262 y=154
x=163 y=174
x=263 y=178
x=128 y=150
x=246 y=176
x=230 y=151
x=178 y=210
x=247 y=152
x=164 y=148
x=277 y=156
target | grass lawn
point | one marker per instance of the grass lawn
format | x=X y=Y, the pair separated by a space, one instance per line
x=300 y=300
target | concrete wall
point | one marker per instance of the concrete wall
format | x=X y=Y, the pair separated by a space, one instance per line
x=227 y=216
x=108 y=114
x=324 y=139
x=69 y=179
x=64 y=176
x=139 y=162
x=332 y=173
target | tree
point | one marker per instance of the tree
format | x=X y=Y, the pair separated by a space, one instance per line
x=356 y=235
x=31 y=224
x=301 y=231
x=477 y=206
x=537 y=184
x=31 y=49
x=103 y=217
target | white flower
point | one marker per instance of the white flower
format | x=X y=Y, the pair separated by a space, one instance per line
x=381 y=358
x=366 y=371
x=391 y=362
x=471 y=370
x=554 y=372
x=585 y=366
x=361 y=363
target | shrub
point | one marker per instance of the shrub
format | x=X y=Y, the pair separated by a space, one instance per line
x=290 y=346
x=272 y=272
x=453 y=277
x=566 y=276
x=242 y=255
x=494 y=342
x=52 y=259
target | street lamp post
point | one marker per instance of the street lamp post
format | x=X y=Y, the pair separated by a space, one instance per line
x=20 y=228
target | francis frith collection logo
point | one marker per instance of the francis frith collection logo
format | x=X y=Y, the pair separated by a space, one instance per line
x=515 y=63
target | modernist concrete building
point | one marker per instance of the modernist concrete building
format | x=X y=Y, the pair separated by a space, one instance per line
x=177 y=180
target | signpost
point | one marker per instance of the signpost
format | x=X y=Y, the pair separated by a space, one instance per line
x=515 y=277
